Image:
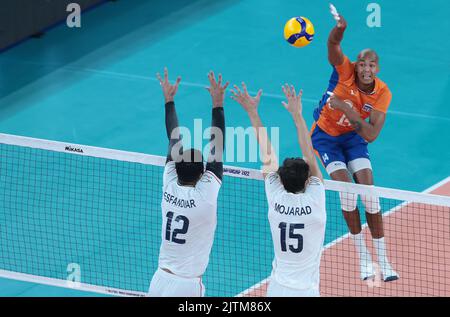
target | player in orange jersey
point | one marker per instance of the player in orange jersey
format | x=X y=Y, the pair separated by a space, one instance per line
x=340 y=135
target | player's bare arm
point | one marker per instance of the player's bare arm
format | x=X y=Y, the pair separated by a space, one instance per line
x=335 y=54
x=169 y=92
x=294 y=106
x=217 y=143
x=250 y=105
x=368 y=130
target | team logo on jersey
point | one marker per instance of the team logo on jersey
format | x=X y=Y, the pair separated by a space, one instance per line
x=367 y=107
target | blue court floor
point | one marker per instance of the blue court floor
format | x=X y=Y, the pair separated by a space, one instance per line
x=96 y=85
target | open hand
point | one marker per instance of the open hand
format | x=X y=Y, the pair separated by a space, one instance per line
x=169 y=90
x=216 y=89
x=249 y=103
x=294 y=104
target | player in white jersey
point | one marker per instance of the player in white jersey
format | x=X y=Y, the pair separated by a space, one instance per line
x=189 y=203
x=296 y=198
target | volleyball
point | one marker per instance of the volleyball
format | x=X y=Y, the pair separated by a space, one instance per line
x=299 y=31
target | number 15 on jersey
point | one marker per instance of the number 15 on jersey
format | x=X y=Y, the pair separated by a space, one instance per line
x=293 y=234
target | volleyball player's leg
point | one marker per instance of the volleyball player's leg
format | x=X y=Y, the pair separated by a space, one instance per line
x=331 y=153
x=362 y=173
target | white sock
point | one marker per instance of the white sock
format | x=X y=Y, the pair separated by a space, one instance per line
x=360 y=244
x=386 y=268
x=380 y=248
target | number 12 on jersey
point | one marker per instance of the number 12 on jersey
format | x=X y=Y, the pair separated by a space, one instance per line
x=292 y=235
x=171 y=235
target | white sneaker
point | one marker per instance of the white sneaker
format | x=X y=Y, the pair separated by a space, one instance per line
x=388 y=273
x=367 y=270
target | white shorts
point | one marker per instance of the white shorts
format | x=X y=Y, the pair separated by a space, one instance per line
x=275 y=289
x=165 y=284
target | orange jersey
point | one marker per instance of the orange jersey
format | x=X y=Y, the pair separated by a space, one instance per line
x=343 y=85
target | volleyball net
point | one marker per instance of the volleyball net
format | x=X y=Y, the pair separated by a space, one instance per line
x=89 y=218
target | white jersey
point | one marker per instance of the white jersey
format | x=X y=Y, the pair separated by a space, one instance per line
x=189 y=218
x=297 y=222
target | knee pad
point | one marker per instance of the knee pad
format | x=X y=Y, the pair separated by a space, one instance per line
x=348 y=201
x=359 y=164
x=334 y=166
x=371 y=203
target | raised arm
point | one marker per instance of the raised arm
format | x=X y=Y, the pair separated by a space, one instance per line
x=169 y=92
x=335 y=54
x=294 y=106
x=217 y=142
x=250 y=105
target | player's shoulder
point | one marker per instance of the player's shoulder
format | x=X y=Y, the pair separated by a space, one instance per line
x=210 y=177
x=345 y=72
x=170 y=173
x=314 y=181
x=273 y=182
x=314 y=185
x=383 y=88
x=272 y=177
x=346 y=63
x=207 y=187
x=315 y=190
x=273 y=185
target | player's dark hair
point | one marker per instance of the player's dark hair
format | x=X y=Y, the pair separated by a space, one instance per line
x=293 y=174
x=190 y=166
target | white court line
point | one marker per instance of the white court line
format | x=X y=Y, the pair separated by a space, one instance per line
x=182 y=83
x=69 y=284
x=345 y=236
x=197 y=85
